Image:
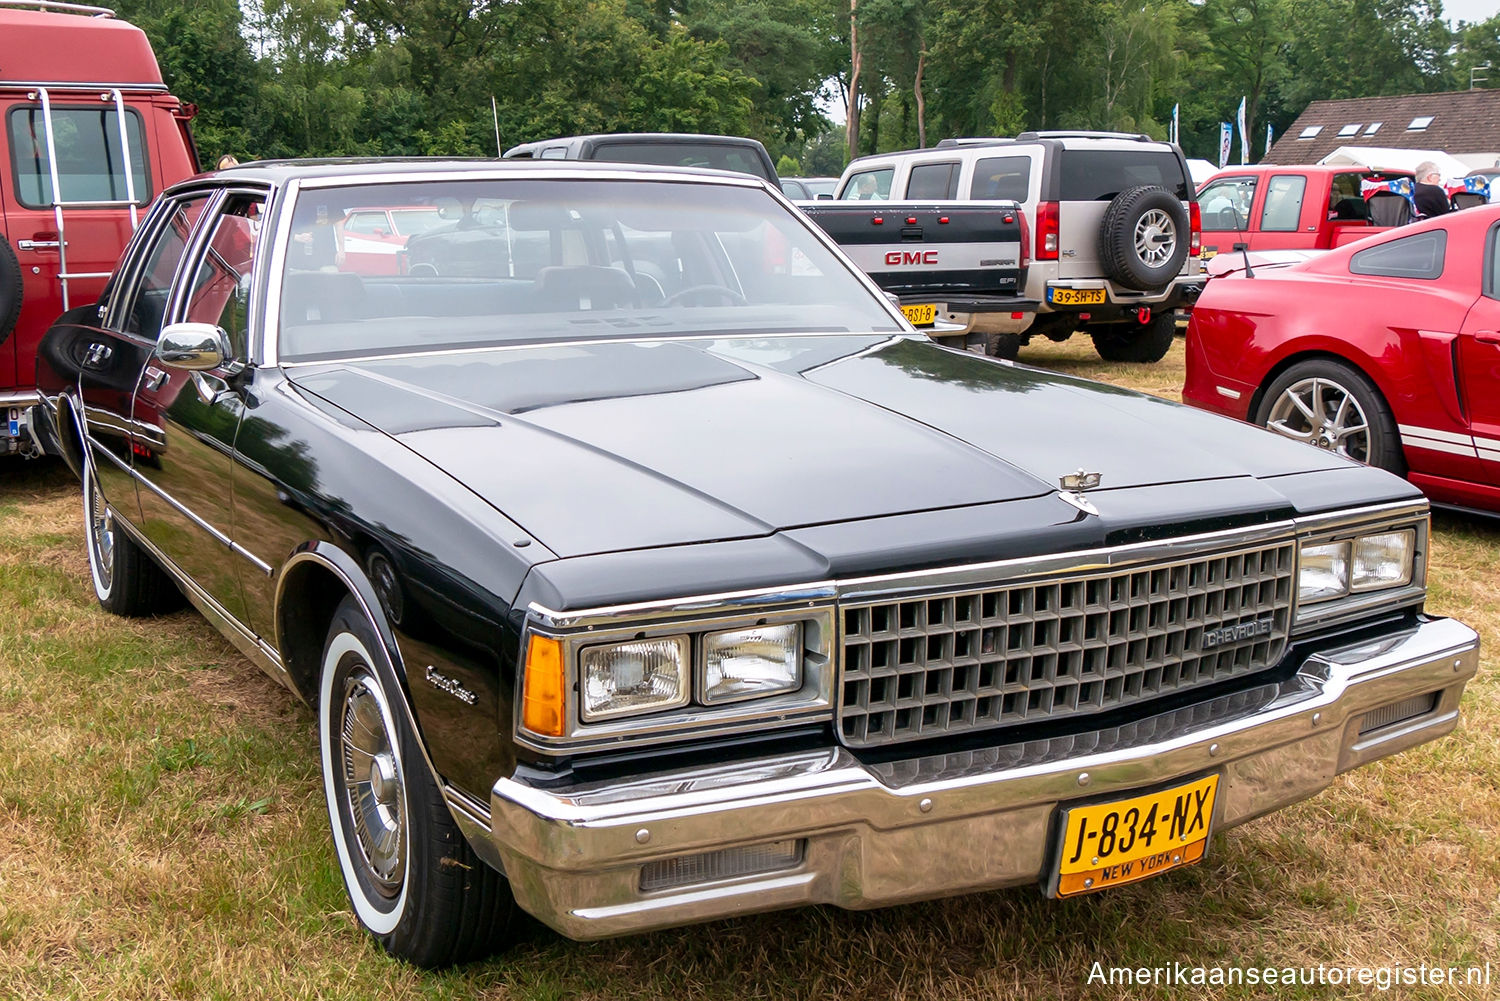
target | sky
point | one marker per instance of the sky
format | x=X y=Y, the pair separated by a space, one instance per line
x=1470 y=10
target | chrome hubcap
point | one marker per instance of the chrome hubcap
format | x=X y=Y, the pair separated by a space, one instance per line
x=1155 y=238
x=373 y=781
x=1321 y=412
x=101 y=534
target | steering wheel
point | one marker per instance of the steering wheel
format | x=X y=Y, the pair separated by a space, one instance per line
x=734 y=297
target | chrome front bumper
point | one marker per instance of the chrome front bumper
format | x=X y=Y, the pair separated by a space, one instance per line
x=877 y=834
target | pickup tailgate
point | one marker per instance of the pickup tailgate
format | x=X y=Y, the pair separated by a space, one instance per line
x=923 y=251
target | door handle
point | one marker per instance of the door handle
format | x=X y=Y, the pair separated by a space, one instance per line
x=97 y=356
x=154 y=378
x=38 y=244
x=1487 y=336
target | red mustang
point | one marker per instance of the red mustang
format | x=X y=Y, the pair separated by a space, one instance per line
x=1386 y=350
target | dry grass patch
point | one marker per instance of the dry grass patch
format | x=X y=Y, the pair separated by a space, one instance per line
x=162 y=835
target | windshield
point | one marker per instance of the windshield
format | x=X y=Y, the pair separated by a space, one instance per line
x=510 y=261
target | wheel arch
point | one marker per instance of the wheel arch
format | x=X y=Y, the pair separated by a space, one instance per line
x=1311 y=354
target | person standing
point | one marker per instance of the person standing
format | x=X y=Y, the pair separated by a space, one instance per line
x=1429 y=196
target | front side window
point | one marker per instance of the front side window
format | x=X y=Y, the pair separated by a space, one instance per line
x=147 y=310
x=221 y=287
x=1283 y=208
x=1225 y=204
x=533 y=261
x=89 y=165
x=869 y=185
x=1418 y=256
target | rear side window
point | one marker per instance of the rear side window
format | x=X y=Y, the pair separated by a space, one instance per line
x=89 y=165
x=683 y=154
x=1417 y=256
x=1098 y=175
x=933 y=180
x=1001 y=178
x=1283 y=208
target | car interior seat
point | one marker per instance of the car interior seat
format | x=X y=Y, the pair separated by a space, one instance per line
x=1389 y=209
x=569 y=288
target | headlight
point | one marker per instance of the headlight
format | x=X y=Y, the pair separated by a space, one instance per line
x=1366 y=563
x=1382 y=560
x=1323 y=571
x=749 y=663
x=635 y=676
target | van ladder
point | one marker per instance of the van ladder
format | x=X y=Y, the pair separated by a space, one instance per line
x=58 y=203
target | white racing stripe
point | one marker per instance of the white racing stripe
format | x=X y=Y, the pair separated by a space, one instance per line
x=1433 y=440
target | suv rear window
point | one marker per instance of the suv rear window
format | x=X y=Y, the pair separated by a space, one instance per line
x=1098 y=175
x=88 y=156
x=1001 y=178
x=681 y=154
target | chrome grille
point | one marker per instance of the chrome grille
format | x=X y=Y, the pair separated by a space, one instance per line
x=933 y=665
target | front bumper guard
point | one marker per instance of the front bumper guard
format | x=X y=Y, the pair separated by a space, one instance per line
x=919 y=828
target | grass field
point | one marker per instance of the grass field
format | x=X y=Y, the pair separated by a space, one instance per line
x=162 y=835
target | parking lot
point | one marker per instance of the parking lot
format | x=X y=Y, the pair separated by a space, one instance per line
x=163 y=834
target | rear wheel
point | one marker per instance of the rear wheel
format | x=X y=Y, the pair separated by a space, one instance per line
x=1333 y=406
x=413 y=880
x=127 y=580
x=1005 y=346
x=1136 y=342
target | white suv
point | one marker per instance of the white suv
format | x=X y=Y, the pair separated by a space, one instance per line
x=1113 y=220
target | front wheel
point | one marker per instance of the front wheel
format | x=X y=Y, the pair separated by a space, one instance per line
x=413 y=880
x=1333 y=406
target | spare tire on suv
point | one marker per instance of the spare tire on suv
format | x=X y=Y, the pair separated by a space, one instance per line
x=1144 y=240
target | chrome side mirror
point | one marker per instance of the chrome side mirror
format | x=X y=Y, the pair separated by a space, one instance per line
x=196 y=347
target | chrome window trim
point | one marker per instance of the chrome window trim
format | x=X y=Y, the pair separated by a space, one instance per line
x=285 y=204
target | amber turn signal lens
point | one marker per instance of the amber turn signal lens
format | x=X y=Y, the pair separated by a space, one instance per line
x=542 y=698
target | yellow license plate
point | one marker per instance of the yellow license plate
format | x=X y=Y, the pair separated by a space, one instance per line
x=921 y=315
x=1077 y=296
x=1111 y=844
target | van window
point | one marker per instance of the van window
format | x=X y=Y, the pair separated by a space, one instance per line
x=1001 y=178
x=933 y=180
x=869 y=184
x=89 y=168
x=1098 y=175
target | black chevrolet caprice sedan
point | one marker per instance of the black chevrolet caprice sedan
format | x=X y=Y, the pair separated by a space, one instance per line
x=644 y=567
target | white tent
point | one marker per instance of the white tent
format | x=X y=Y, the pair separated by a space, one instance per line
x=1386 y=158
x=1200 y=170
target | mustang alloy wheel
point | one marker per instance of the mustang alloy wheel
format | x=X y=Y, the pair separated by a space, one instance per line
x=1330 y=405
x=127 y=581
x=412 y=879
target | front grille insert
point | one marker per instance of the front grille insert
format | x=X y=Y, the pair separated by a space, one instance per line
x=932 y=665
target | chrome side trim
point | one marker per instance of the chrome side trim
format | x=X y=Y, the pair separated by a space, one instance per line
x=183 y=509
x=20 y=398
x=255 y=650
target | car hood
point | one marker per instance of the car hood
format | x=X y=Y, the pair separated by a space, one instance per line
x=614 y=445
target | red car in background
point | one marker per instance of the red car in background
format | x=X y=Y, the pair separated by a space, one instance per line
x=1386 y=350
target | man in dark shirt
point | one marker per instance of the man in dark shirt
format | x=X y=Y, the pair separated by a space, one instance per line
x=1429 y=196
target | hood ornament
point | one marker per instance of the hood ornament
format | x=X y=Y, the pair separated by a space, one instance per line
x=1074 y=484
x=1080 y=481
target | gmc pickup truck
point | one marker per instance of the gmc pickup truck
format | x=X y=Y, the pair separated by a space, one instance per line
x=955 y=270
x=1270 y=207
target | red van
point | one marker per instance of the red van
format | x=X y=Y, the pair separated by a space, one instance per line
x=80 y=97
